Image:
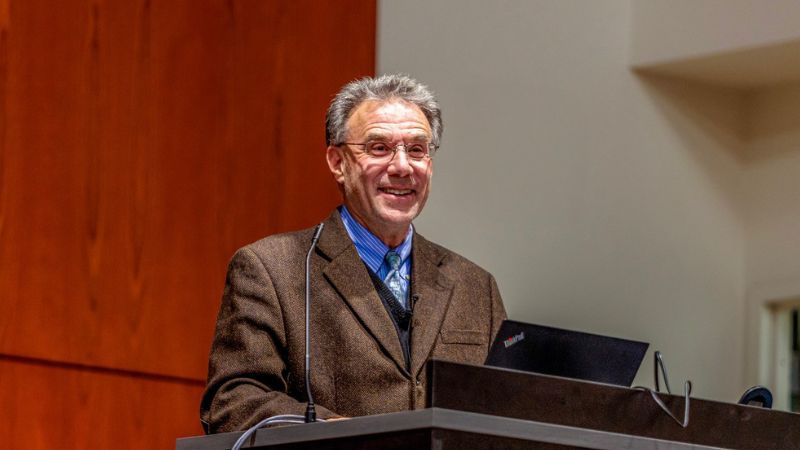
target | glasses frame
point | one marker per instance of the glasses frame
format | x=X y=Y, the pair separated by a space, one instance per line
x=431 y=150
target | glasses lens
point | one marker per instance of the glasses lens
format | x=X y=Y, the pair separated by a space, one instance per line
x=418 y=151
x=378 y=149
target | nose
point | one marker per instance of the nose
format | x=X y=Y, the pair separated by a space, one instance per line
x=400 y=165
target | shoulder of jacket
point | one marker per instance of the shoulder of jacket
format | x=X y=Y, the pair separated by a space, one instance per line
x=282 y=245
x=451 y=260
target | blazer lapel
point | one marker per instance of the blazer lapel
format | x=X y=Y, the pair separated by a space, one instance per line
x=349 y=277
x=431 y=291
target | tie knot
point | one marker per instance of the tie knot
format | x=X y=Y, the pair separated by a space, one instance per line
x=392 y=259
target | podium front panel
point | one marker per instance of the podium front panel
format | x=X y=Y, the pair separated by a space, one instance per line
x=597 y=406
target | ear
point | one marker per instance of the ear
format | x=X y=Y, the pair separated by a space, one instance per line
x=335 y=163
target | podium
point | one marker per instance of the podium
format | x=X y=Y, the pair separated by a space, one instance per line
x=477 y=407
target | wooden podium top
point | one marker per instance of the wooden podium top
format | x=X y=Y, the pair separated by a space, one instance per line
x=432 y=428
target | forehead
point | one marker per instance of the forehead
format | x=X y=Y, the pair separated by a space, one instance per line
x=388 y=118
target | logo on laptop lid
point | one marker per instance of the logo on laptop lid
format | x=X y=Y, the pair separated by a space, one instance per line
x=514 y=339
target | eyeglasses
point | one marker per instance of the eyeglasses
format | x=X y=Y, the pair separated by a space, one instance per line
x=384 y=152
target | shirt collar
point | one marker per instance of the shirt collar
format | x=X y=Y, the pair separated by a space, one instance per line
x=371 y=249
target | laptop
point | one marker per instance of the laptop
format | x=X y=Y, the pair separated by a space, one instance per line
x=565 y=353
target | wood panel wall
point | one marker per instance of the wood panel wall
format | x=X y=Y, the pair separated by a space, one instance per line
x=141 y=143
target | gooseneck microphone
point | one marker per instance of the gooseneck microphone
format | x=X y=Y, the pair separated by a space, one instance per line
x=311 y=413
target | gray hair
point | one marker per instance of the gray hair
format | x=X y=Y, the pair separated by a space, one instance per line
x=382 y=88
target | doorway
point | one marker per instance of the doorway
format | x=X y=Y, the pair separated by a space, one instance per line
x=785 y=357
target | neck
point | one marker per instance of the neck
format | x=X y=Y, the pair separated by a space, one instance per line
x=393 y=240
x=391 y=236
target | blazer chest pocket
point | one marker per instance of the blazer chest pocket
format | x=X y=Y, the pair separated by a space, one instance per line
x=469 y=337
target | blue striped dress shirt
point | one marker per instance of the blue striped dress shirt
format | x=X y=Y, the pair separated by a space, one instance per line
x=373 y=251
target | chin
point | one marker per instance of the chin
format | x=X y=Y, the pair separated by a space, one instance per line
x=398 y=218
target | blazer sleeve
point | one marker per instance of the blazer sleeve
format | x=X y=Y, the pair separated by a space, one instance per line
x=247 y=369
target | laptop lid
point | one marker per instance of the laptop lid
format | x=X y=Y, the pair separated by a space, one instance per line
x=565 y=353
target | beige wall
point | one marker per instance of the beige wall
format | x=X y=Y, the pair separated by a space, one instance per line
x=771 y=181
x=601 y=201
x=665 y=30
x=745 y=44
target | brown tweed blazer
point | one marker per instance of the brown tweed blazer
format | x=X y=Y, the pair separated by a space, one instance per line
x=256 y=362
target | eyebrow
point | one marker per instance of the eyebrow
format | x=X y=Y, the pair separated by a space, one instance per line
x=418 y=137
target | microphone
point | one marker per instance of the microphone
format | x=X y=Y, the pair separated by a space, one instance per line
x=757 y=396
x=311 y=413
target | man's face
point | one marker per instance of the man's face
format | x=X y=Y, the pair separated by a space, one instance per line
x=384 y=196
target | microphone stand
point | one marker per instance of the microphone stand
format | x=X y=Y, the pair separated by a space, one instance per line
x=311 y=413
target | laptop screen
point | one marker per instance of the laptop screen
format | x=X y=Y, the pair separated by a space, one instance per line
x=565 y=353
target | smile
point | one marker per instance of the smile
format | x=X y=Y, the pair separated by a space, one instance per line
x=397 y=191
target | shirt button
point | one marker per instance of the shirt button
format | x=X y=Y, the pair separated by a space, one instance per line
x=419 y=383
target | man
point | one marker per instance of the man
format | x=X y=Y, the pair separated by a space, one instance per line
x=384 y=299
